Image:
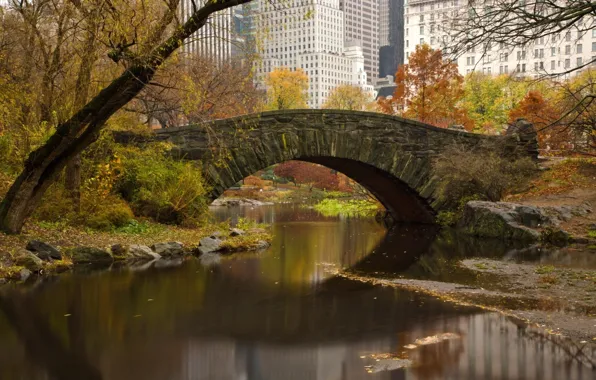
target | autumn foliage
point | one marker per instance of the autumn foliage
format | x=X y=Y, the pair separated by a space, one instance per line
x=286 y=89
x=429 y=89
x=347 y=97
x=313 y=175
x=255 y=181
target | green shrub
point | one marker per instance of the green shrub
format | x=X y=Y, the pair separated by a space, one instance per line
x=160 y=187
x=447 y=218
x=482 y=173
x=56 y=206
x=116 y=214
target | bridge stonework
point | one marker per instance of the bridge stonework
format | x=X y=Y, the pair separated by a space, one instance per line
x=390 y=156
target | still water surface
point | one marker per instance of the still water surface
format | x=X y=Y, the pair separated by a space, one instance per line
x=280 y=314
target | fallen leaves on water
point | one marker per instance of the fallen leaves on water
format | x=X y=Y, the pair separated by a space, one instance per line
x=436 y=339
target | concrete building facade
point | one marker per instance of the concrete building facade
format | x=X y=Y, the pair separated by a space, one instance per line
x=361 y=20
x=428 y=21
x=309 y=34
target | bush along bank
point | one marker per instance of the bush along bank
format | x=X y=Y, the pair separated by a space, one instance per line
x=39 y=258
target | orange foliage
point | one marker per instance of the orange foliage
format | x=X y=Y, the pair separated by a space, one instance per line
x=541 y=112
x=251 y=180
x=429 y=89
x=301 y=172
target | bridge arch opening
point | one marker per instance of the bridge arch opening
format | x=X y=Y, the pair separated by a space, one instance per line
x=402 y=203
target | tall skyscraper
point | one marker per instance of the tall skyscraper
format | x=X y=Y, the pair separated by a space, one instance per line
x=391 y=33
x=309 y=34
x=361 y=20
x=226 y=34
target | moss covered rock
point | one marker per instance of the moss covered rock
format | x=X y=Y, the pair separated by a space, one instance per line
x=80 y=255
x=500 y=220
x=28 y=260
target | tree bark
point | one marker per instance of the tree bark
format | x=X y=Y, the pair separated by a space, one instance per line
x=72 y=182
x=83 y=128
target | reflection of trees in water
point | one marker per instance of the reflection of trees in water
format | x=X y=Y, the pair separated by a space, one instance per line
x=58 y=355
x=305 y=253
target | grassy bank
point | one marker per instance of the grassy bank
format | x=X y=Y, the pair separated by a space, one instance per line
x=64 y=236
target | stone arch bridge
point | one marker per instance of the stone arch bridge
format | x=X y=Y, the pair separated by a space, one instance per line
x=390 y=156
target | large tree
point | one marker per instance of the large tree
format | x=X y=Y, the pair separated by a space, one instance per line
x=142 y=49
x=347 y=97
x=429 y=89
x=286 y=89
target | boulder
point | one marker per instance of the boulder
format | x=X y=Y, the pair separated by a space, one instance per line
x=44 y=250
x=169 y=249
x=556 y=236
x=81 y=255
x=236 y=232
x=119 y=251
x=141 y=252
x=563 y=213
x=501 y=220
x=134 y=252
x=209 y=244
x=27 y=259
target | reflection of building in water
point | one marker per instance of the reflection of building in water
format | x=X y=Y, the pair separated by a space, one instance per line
x=229 y=361
x=491 y=347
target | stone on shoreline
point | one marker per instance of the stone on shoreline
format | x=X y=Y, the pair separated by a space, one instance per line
x=134 y=252
x=80 y=255
x=142 y=252
x=44 y=250
x=511 y=221
x=501 y=220
x=27 y=259
x=209 y=245
x=169 y=249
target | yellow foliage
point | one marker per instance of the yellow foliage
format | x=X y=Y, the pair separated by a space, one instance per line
x=286 y=89
x=347 y=97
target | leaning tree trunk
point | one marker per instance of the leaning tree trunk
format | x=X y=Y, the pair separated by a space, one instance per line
x=80 y=131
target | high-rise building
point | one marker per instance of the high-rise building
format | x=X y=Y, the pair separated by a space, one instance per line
x=361 y=20
x=225 y=35
x=391 y=34
x=309 y=34
x=429 y=21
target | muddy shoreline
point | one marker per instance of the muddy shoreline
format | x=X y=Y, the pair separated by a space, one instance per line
x=557 y=300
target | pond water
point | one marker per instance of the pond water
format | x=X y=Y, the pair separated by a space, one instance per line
x=280 y=314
